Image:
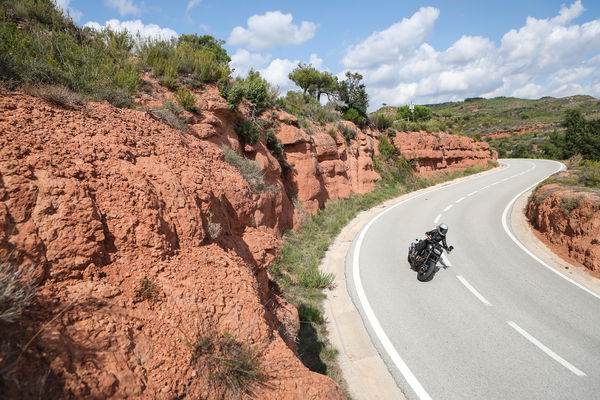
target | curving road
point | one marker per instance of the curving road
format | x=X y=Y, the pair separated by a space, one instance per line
x=493 y=323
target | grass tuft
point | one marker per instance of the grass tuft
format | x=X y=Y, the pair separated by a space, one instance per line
x=232 y=367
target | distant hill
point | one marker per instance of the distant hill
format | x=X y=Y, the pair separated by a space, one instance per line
x=500 y=114
x=514 y=127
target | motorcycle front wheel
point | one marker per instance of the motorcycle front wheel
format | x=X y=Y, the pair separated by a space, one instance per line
x=426 y=272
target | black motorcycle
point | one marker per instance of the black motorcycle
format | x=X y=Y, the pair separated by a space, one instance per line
x=425 y=262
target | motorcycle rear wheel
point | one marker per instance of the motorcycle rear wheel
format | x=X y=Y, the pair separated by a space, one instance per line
x=425 y=274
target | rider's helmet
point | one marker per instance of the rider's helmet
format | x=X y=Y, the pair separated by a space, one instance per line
x=442 y=229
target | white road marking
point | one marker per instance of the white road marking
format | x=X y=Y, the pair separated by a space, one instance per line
x=472 y=193
x=446 y=260
x=411 y=379
x=505 y=179
x=449 y=207
x=526 y=250
x=459 y=200
x=473 y=290
x=485 y=187
x=436 y=220
x=546 y=350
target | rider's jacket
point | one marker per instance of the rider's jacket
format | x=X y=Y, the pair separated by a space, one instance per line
x=435 y=236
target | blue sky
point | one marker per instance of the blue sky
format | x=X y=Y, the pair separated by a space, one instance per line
x=424 y=52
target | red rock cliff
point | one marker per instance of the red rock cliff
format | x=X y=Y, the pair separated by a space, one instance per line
x=569 y=223
x=105 y=199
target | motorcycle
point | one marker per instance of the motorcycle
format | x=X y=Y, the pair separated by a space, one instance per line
x=425 y=262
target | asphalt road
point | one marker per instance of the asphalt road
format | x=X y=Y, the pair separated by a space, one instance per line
x=493 y=323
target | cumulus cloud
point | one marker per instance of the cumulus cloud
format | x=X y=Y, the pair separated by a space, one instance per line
x=544 y=57
x=391 y=44
x=136 y=27
x=63 y=5
x=243 y=61
x=275 y=71
x=124 y=7
x=269 y=30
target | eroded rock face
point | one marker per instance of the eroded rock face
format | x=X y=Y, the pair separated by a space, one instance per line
x=101 y=199
x=569 y=222
x=441 y=151
x=147 y=242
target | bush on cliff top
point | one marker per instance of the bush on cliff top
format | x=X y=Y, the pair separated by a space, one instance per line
x=52 y=50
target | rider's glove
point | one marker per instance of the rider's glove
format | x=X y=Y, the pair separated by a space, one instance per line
x=450 y=249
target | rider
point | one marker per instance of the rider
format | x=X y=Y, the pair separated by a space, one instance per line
x=435 y=235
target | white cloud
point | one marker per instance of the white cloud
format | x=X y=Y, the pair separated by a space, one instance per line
x=191 y=4
x=270 y=30
x=124 y=7
x=136 y=27
x=277 y=73
x=243 y=61
x=63 y=5
x=388 y=45
x=544 y=57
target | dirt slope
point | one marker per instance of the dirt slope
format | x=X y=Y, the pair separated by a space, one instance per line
x=569 y=223
x=148 y=245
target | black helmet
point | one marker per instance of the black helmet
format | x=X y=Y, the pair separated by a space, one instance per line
x=442 y=229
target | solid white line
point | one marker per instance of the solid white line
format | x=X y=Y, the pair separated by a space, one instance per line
x=459 y=200
x=472 y=193
x=526 y=250
x=368 y=311
x=546 y=350
x=436 y=220
x=473 y=290
x=449 y=207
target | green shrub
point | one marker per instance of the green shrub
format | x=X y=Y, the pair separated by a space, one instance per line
x=195 y=59
x=315 y=279
x=256 y=90
x=249 y=131
x=306 y=106
x=354 y=116
x=346 y=131
x=53 y=51
x=276 y=148
x=387 y=148
x=249 y=170
x=382 y=121
x=590 y=174
x=186 y=99
x=568 y=204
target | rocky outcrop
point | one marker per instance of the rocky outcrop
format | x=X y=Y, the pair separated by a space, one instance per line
x=443 y=152
x=568 y=222
x=109 y=202
x=148 y=244
x=521 y=130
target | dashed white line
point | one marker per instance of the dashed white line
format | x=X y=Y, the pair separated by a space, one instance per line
x=505 y=179
x=459 y=200
x=472 y=193
x=485 y=187
x=446 y=260
x=546 y=350
x=437 y=219
x=473 y=290
x=449 y=207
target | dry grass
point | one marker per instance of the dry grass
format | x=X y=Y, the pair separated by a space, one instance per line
x=56 y=94
x=16 y=291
